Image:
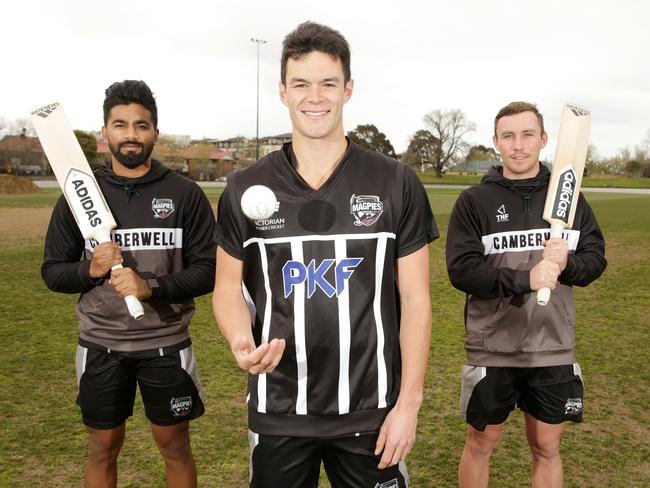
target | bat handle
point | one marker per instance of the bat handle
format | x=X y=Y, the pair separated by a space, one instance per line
x=544 y=294
x=132 y=302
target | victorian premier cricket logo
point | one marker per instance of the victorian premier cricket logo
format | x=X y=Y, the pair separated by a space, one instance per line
x=564 y=194
x=366 y=209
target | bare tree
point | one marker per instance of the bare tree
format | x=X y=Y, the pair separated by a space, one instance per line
x=21 y=126
x=449 y=127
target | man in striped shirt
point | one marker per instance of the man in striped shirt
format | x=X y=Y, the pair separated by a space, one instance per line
x=326 y=302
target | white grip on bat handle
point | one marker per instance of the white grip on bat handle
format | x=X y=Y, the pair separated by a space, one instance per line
x=544 y=294
x=132 y=302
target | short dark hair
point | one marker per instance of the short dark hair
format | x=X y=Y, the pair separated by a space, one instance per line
x=310 y=36
x=514 y=108
x=130 y=91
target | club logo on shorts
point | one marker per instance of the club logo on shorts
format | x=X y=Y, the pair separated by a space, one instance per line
x=162 y=207
x=388 y=484
x=181 y=406
x=366 y=209
x=573 y=406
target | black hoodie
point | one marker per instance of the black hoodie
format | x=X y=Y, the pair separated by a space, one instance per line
x=165 y=228
x=494 y=238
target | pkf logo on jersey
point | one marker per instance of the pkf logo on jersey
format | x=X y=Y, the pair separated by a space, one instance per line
x=162 y=207
x=295 y=273
x=181 y=406
x=366 y=209
x=502 y=215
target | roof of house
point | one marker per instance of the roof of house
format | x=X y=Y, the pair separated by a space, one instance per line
x=20 y=143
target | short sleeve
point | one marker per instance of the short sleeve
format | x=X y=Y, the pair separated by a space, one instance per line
x=417 y=226
x=229 y=233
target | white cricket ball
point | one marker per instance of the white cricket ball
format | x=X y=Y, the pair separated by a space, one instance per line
x=258 y=202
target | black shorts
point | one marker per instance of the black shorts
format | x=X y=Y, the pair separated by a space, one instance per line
x=169 y=385
x=294 y=462
x=552 y=394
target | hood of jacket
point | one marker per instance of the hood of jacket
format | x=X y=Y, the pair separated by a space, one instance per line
x=523 y=187
x=106 y=174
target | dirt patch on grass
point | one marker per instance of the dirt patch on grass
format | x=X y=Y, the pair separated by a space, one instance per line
x=13 y=185
x=18 y=223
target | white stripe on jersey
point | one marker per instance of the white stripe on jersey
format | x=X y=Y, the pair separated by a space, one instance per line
x=333 y=237
x=147 y=239
x=382 y=388
x=299 y=332
x=340 y=252
x=524 y=240
x=266 y=325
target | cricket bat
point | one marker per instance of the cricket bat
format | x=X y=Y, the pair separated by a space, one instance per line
x=77 y=181
x=566 y=176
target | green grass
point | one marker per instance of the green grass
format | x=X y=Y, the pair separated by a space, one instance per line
x=44 y=442
x=429 y=177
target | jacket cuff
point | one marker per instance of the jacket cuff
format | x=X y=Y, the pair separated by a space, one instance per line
x=522 y=282
x=87 y=281
x=570 y=270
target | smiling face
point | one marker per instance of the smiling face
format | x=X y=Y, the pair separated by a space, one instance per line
x=315 y=91
x=519 y=140
x=131 y=135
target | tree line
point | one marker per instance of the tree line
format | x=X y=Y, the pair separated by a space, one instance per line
x=438 y=147
x=441 y=145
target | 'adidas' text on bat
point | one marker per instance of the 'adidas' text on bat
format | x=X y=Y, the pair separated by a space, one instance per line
x=77 y=181
x=566 y=177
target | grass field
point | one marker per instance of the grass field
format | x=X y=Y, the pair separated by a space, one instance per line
x=604 y=182
x=44 y=442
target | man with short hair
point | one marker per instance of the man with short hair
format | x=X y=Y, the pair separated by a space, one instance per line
x=165 y=240
x=326 y=302
x=499 y=252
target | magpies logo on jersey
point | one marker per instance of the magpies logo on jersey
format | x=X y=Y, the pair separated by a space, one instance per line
x=162 y=207
x=366 y=209
x=295 y=273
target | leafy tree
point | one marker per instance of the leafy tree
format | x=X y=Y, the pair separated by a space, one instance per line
x=481 y=153
x=369 y=137
x=448 y=127
x=422 y=150
x=88 y=144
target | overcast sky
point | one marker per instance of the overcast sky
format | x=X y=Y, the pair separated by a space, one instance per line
x=408 y=58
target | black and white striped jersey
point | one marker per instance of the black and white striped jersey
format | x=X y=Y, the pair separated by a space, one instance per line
x=320 y=273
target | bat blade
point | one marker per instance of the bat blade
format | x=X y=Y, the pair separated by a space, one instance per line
x=78 y=184
x=566 y=176
x=568 y=166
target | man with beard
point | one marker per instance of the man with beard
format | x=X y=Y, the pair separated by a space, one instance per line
x=165 y=240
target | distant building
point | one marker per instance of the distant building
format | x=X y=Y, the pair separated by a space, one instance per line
x=201 y=161
x=473 y=167
x=22 y=155
x=243 y=149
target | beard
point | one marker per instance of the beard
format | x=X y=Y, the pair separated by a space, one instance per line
x=131 y=159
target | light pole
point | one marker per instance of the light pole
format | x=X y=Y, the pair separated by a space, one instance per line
x=257 y=113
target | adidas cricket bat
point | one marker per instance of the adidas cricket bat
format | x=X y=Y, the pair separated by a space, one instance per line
x=77 y=181
x=566 y=176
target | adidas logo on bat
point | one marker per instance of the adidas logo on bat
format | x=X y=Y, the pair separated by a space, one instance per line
x=46 y=110
x=577 y=111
